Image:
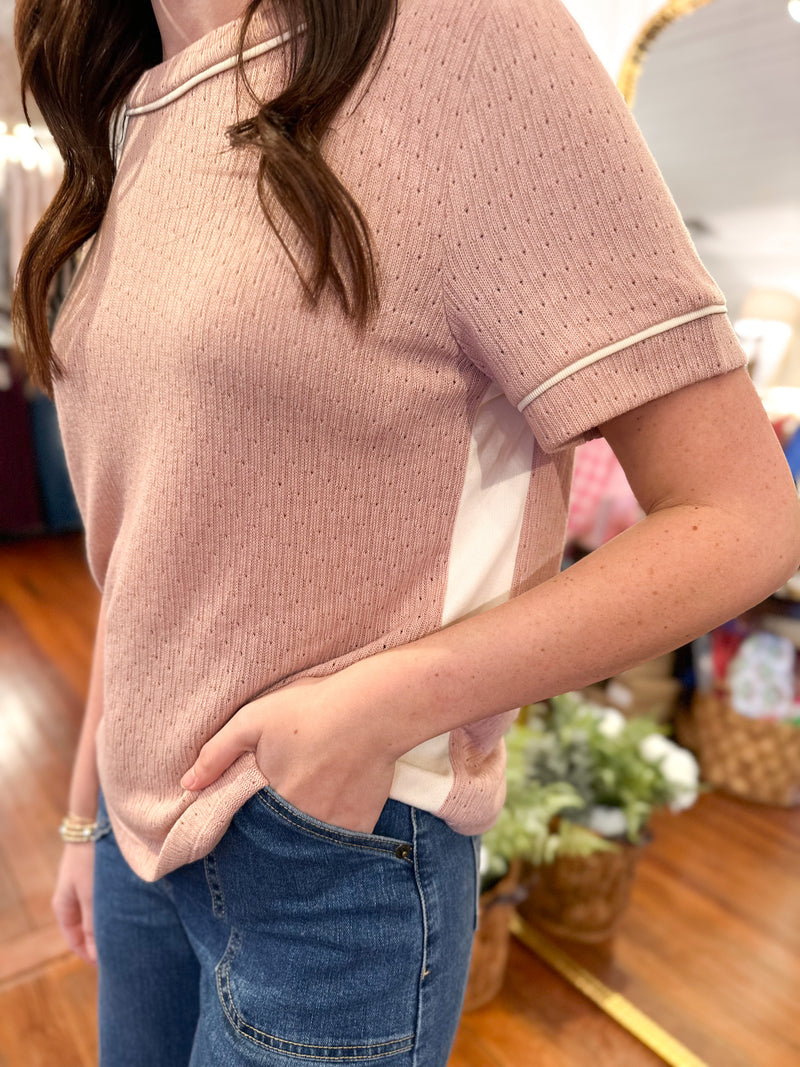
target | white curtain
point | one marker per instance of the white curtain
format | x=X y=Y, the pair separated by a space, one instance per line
x=30 y=174
x=29 y=180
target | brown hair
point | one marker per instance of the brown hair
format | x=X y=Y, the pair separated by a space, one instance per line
x=80 y=60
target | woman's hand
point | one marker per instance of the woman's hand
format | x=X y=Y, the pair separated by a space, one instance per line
x=72 y=899
x=317 y=746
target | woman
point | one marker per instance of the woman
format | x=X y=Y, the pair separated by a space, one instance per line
x=322 y=438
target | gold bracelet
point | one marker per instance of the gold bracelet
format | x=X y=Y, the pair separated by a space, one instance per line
x=75 y=829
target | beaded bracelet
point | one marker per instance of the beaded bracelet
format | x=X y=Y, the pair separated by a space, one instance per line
x=75 y=829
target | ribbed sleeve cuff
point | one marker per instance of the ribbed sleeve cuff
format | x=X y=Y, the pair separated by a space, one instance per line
x=569 y=412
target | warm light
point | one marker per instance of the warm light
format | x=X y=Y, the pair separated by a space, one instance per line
x=781 y=400
x=3 y=128
x=29 y=155
x=766 y=321
x=794 y=10
x=765 y=342
x=9 y=148
x=774 y=305
x=25 y=149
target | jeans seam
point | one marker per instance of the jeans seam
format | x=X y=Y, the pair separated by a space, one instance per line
x=214 y=886
x=476 y=847
x=424 y=967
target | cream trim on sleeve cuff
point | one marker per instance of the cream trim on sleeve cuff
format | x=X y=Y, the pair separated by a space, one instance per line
x=601 y=353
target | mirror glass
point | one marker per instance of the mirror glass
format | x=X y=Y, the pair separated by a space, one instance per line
x=717 y=103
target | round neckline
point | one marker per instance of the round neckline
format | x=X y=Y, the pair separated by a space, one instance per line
x=214 y=47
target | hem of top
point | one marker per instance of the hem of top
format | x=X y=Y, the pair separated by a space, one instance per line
x=617 y=346
x=464 y=813
x=140 y=856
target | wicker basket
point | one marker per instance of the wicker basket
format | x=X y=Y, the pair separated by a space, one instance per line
x=581 y=898
x=487 y=967
x=756 y=759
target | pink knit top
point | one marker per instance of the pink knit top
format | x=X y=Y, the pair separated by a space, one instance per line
x=269 y=493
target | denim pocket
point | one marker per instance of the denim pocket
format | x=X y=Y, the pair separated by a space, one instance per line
x=327 y=934
x=389 y=835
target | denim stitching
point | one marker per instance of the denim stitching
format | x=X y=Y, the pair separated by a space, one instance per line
x=214 y=886
x=279 y=1044
x=330 y=1059
x=292 y=819
x=424 y=968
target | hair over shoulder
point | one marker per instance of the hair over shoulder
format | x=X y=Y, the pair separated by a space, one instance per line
x=80 y=60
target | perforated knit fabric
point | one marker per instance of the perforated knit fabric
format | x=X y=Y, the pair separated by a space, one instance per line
x=269 y=493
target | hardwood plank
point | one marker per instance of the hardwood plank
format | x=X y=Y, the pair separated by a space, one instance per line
x=31 y=679
x=39 y=723
x=31 y=952
x=709 y=949
x=44 y=1022
x=470 y=1050
x=13 y=920
x=709 y=976
x=539 y=1019
x=47 y=584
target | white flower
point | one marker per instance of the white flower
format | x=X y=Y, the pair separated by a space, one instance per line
x=609 y=822
x=612 y=723
x=683 y=799
x=680 y=768
x=655 y=747
x=486 y=859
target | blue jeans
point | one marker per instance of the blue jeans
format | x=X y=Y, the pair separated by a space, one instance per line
x=292 y=943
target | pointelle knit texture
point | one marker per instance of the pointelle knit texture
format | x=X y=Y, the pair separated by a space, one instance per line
x=269 y=493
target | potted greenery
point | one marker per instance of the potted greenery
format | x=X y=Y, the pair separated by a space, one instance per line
x=527 y=829
x=582 y=782
x=621 y=770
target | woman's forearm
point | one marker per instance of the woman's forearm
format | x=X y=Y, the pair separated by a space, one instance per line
x=678 y=573
x=84 y=782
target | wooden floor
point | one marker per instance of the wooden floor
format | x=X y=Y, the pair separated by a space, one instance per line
x=710 y=948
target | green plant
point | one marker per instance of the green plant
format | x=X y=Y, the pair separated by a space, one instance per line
x=618 y=766
x=528 y=826
x=581 y=778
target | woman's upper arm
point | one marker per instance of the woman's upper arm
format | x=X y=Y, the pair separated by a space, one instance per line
x=710 y=443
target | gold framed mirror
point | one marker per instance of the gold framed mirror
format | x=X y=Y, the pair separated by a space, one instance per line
x=632 y=63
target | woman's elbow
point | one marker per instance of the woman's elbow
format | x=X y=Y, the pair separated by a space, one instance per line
x=779 y=536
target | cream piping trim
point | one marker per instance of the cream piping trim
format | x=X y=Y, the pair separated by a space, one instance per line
x=573 y=368
x=225 y=64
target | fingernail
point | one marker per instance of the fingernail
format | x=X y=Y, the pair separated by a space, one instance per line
x=189 y=780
